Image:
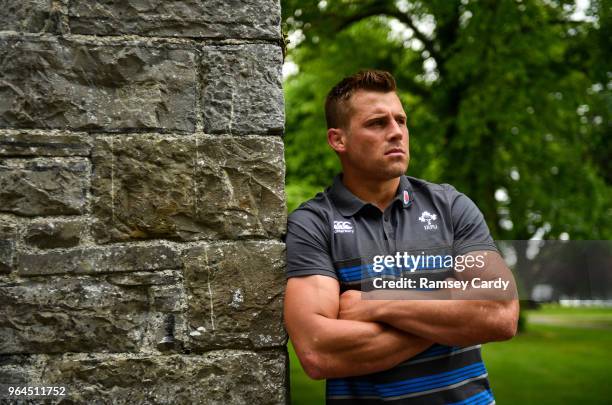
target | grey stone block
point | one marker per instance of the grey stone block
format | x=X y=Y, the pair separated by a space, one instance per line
x=25 y=15
x=94 y=260
x=177 y=18
x=44 y=186
x=54 y=83
x=188 y=188
x=219 y=377
x=242 y=89
x=82 y=314
x=55 y=234
x=47 y=143
x=234 y=295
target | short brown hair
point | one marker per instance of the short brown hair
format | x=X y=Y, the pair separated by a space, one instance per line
x=336 y=107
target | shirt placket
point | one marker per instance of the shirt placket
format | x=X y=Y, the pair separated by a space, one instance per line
x=387 y=223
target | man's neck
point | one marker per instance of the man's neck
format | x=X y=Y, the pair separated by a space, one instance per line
x=375 y=191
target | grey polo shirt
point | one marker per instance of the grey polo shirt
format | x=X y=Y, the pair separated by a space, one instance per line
x=336 y=234
x=336 y=230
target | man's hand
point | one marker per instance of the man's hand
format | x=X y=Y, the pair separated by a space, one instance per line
x=354 y=308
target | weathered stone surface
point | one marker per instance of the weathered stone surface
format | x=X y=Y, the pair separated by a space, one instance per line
x=93 y=260
x=188 y=188
x=47 y=143
x=219 y=377
x=51 y=83
x=177 y=18
x=8 y=235
x=44 y=186
x=242 y=89
x=55 y=234
x=234 y=295
x=98 y=145
x=7 y=252
x=24 y=15
x=81 y=314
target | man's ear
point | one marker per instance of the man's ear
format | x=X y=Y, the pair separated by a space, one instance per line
x=336 y=138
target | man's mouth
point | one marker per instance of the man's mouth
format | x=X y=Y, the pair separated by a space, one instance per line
x=395 y=151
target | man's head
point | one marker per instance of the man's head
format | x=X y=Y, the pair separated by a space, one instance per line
x=367 y=125
x=337 y=103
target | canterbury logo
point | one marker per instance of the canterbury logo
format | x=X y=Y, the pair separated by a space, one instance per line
x=343 y=227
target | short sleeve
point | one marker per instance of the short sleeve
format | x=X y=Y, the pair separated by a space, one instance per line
x=470 y=229
x=307 y=243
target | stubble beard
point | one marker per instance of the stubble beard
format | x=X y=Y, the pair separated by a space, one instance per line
x=397 y=170
x=389 y=172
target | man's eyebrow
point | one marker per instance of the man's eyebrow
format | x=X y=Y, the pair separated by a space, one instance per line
x=374 y=116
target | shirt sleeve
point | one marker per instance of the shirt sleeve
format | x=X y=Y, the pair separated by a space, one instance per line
x=308 y=245
x=470 y=229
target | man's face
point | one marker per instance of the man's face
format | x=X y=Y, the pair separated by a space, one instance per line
x=376 y=137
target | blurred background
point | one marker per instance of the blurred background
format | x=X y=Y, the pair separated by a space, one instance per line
x=509 y=101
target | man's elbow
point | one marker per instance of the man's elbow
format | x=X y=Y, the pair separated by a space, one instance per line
x=507 y=330
x=507 y=324
x=313 y=365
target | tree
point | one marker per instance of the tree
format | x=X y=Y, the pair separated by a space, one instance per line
x=507 y=100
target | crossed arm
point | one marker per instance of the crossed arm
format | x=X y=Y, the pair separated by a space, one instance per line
x=469 y=317
x=329 y=347
x=331 y=331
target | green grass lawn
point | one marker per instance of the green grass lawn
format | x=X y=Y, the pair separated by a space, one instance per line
x=564 y=358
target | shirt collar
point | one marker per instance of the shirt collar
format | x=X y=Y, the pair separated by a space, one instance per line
x=349 y=204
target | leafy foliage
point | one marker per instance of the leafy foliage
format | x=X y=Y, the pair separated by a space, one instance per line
x=505 y=98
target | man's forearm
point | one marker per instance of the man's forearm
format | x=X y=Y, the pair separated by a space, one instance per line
x=342 y=348
x=457 y=316
x=450 y=322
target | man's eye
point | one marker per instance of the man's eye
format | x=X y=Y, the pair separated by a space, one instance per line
x=377 y=123
x=401 y=121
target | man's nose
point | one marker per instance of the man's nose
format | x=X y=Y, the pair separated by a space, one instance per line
x=395 y=130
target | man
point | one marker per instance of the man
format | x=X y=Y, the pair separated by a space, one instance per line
x=382 y=350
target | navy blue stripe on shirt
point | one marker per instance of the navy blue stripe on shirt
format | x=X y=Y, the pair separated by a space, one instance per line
x=368 y=267
x=353 y=273
x=410 y=386
x=431 y=365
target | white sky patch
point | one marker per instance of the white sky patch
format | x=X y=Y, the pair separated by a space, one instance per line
x=582 y=109
x=290 y=68
x=426 y=24
x=533 y=247
x=295 y=38
x=506 y=224
x=402 y=5
x=464 y=18
x=429 y=66
x=514 y=174
x=540 y=232
x=400 y=32
x=501 y=195
x=579 y=13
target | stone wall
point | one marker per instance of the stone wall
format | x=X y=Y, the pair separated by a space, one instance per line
x=142 y=200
